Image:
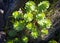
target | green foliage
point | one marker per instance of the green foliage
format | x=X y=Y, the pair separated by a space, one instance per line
x=19 y=25
x=9 y=41
x=53 y=41
x=45 y=23
x=17 y=15
x=30 y=6
x=12 y=33
x=43 y=6
x=34 y=34
x=40 y=16
x=33 y=19
x=31 y=27
x=25 y=39
x=28 y=17
x=44 y=31
x=17 y=40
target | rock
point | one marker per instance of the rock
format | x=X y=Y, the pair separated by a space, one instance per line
x=14 y=5
x=1 y=19
x=2 y=36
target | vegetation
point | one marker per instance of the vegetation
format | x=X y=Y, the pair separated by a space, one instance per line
x=34 y=20
x=30 y=21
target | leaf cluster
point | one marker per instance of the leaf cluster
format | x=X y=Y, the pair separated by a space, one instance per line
x=33 y=20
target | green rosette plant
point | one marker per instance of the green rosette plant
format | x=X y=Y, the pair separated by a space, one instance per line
x=34 y=20
x=30 y=6
x=28 y=17
x=43 y=6
x=31 y=27
x=45 y=23
x=19 y=25
x=34 y=34
x=40 y=16
x=44 y=32
x=17 y=15
x=25 y=39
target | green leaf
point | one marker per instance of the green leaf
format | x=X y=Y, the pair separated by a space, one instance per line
x=25 y=39
x=44 y=31
x=30 y=6
x=28 y=17
x=17 y=15
x=43 y=6
x=34 y=34
x=17 y=40
x=19 y=25
x=12 y=33
x=53 y=41
x=31 y=27
x=40 y=16
x=10 y=41
x=46 y=23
